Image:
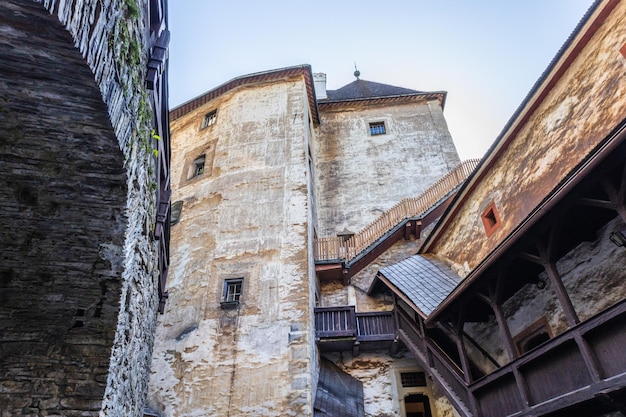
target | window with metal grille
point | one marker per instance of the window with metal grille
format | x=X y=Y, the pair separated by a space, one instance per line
x=377 y=128
x=413 y=379
x=209 y=119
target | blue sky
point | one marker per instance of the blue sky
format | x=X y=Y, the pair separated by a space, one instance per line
x=486 y=54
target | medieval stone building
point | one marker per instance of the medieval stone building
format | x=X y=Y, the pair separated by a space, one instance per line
x=331 y=257
x=84 y=191
x=265 y=166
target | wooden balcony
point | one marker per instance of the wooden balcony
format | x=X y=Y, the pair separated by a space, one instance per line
x=584 y=368
x=341 y=328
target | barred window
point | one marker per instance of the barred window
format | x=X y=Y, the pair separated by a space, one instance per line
x=413 y=379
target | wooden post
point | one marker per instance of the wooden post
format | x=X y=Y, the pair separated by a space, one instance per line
x=460 y=345
x=561 y=293
x=495 y=298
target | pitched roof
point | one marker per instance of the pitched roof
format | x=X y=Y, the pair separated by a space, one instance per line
x=423 y=279
x=275 y=74
x=362 y=91
x=367 y=89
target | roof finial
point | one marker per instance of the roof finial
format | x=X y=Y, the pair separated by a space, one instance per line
x=356 y=72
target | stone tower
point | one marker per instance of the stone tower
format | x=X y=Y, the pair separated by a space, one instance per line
x=261 y=168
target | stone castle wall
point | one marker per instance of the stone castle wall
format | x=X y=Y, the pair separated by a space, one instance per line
x=359 y=176
x=80 y=280
x=246 y=216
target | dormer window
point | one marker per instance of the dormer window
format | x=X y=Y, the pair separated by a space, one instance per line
x=209 y=119
x=377 y=128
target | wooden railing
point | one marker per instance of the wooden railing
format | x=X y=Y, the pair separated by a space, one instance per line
x=343 y=321
x=336 y=248
x=335 y=322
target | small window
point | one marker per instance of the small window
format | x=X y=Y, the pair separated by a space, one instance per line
x=490 y=219
x=533 y=336
x=413 y=379
x=198 y=166
x=175 y=212
x=377 y=128
x=232 y=292
x=209 y=119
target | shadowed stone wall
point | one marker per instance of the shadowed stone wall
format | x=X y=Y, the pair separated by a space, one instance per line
x=78 y=266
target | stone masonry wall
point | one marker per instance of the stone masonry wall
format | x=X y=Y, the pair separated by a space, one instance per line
x=416 y=150
x=95 y=192
x=379 y=370
x=576 y=114
x=245 y=216
x=593 y=274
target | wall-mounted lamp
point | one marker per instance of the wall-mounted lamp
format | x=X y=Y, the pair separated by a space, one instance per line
x=618 y=239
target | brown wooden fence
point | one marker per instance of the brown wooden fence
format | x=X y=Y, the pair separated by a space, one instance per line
x=335 y=248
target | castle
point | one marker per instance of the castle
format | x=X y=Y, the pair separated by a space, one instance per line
x=330 y=254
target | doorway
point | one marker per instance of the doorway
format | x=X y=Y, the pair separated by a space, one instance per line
x=417 y=405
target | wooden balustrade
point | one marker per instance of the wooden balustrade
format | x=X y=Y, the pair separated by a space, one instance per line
x=336 y=248
x=332 y=322
x=335 y=322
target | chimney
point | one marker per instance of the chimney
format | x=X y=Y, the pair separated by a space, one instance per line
x=319 y=81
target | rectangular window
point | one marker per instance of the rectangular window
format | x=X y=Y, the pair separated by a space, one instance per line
x=209 y=119
x=198 y=166
x=377 y=128
x=232 y=292
x=413 y=379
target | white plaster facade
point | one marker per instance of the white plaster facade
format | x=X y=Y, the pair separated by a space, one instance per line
x=252 y=213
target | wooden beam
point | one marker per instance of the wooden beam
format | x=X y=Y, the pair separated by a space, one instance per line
x=495 y=294
x=617 y=195
x=591 y=361
x=530 y=257
x=561 y=293
x=505 y=333
x=460 y=346
x=556 y=281
x=594 y=202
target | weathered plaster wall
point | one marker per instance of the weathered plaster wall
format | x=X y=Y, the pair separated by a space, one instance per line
x=378 y=370
x=383 y=392
x=416 y=151
x=334 y=293
x=247 y=216
x=593 y=275
x=78 y=284
x=575 y=116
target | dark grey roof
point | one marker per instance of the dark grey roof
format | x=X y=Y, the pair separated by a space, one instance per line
x=425 y=280
x=367 y=89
